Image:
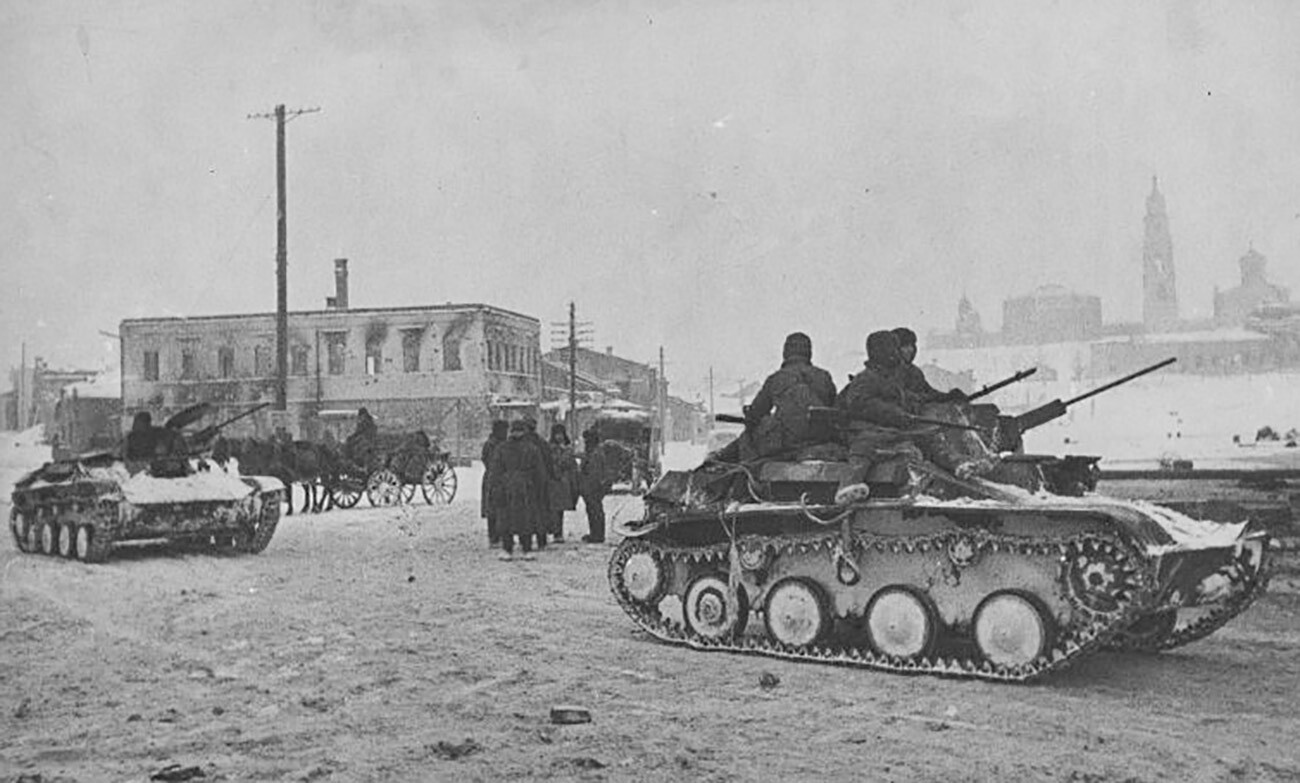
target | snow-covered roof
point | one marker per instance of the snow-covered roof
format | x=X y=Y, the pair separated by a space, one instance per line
x=1204 y=336
x=105 y=386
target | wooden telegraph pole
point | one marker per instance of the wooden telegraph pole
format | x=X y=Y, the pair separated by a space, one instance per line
x=281 y=256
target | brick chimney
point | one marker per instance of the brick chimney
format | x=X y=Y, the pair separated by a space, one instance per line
x=340 y=299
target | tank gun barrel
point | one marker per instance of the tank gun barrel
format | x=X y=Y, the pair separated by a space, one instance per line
x=207 y=433
x=992 y=387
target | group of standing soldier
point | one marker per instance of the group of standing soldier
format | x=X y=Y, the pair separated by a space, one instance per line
x=529 y=483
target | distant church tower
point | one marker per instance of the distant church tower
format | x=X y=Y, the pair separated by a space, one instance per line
x=1159 y=293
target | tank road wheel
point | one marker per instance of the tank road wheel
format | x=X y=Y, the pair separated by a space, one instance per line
x=34 y=527
x=796 y=613
x=900 y=623
x=384 y=488
x=18 y=525
x=707 y=612
x=257 y=536
x=438 y=483
x=90 y=546
x=1010 y=629
x=67 y=536
x=50 y=537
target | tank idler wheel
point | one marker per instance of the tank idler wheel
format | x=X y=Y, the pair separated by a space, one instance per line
x=643 y=578
x=259 y=537
x=18 y=525
x=1011 y=629
x=50 y=537
x=707 y=611
x=796 y=613
x=91 y=545
x=67 y=536
x=384 y=488
x=900 y=622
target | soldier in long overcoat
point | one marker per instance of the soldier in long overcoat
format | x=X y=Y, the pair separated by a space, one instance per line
x=594 y=484
x=518 y=476
x=562 y=489
x=500 y=431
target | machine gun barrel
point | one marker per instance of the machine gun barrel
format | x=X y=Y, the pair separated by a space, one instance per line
x=1125 y=379
x=728 y=418
x=1056 y=408
x=992 y=387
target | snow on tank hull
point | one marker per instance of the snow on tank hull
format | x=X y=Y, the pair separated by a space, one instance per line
x=80 y=508
x=1006 y=588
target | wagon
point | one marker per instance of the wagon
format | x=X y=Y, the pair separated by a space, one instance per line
x=389 y=468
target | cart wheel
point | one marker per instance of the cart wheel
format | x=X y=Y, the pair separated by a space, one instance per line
x=384 y=488
x=346 y=492
x=439 y=483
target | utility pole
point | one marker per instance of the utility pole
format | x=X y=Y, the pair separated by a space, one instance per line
x=661 y=393
x=281 y=255
x=22 y=390
x=572 y=333
x=710 y=395
x=573 y=364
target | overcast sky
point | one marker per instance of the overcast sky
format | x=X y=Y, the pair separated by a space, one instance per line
x=705 y=176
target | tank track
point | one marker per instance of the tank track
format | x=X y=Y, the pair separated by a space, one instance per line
x=1246 y=586
x=1094 y=629
x=83 y=529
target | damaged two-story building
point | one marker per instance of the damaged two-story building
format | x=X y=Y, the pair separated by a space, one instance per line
x=446 y=369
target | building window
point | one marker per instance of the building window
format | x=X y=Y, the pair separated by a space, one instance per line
x=151 y=365
x=374 y=358
x=226 y=362
x=411 y=349
x=491 y=355
x=337 y=344
x=189 y=368
x=261 y=361
x=451 y=351
x=298 y=355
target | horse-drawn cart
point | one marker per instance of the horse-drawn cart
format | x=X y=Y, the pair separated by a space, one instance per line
x=388 y=469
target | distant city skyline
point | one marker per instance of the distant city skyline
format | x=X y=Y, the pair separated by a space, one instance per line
x=704 y=177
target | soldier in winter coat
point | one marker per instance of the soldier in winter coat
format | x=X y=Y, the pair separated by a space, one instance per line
x=594 y=484
x=500 y=431
x=562 y=490
x=777 y=420
x=518 y=476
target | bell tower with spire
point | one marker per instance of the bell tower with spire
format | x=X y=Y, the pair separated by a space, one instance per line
x=1159 y=292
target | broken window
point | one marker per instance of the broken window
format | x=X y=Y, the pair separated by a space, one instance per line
x=298 y=356
x=337 y=344
x=189 y=367
x=226 y=362
x=151 y=365
x=374 y=358
x=411 y=349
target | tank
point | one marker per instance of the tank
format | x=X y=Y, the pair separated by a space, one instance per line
x=916 y=567
x=79 y=508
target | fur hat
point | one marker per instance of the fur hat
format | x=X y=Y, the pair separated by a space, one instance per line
x=797 y=344
x=881 y=346
x=905 y=336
